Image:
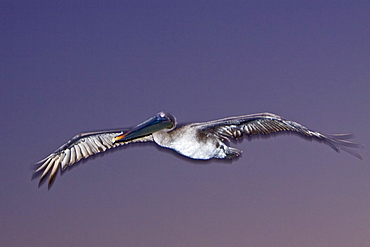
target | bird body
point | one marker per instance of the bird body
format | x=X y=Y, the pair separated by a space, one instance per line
x=191 y=142
x=196 y=140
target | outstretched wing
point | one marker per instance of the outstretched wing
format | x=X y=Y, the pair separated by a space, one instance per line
x=81 y=146
x=266 y=123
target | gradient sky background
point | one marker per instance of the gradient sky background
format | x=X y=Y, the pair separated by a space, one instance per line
x=70 y=67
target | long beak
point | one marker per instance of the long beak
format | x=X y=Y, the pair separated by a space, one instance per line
x=158 y=122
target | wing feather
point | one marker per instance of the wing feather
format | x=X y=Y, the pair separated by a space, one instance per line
x=266 y=123
x=66 y=159
x=80 y=146
x=77 y=149
x=73 y=156
x=83 y=150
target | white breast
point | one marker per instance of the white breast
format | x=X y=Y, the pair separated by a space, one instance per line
x=186 y=142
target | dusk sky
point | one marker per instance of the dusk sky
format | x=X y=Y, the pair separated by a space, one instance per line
x=75 y=66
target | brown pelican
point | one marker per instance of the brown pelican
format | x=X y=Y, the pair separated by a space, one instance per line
x=196 y=140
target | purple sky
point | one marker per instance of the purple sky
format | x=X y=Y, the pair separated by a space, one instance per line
x=73 y=67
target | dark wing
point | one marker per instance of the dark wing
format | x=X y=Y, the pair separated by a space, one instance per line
x=81 y=146
x=266 y=123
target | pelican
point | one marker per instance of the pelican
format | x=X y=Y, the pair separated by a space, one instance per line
x=200 y=141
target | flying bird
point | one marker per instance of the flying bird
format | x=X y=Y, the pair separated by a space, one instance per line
x=201 y=141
